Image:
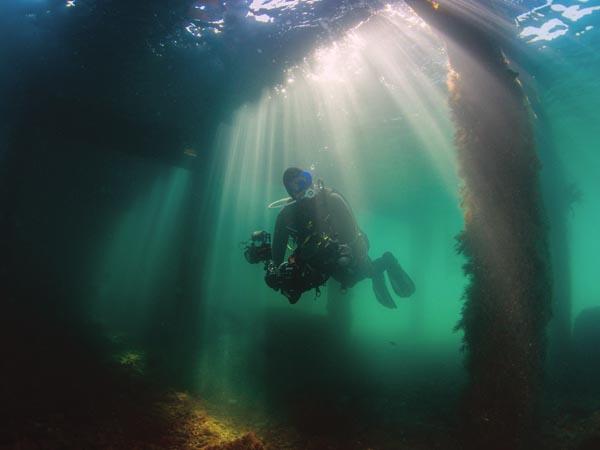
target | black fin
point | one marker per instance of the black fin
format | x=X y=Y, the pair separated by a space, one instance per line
x=401 y=283
x=381 y=291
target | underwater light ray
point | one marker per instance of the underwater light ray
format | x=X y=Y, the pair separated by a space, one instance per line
x=262 y=146
x=248 y=176
x=329 y=117
x=138 y=257
x=418 y=54
x=240 y=174
x=245 y=145
x=434 y=140
x=341 y=144
x=271 y=146
x=406 y=78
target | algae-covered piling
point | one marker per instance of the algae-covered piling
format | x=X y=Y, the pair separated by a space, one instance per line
x=507 y=301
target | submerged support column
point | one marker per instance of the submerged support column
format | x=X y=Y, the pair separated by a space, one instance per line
x=339 y=312
x=508 y=299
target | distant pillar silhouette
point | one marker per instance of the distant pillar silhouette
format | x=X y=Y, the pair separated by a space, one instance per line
x=508 y=299
x=563 y=195
x=421 y=248
x=338 y=308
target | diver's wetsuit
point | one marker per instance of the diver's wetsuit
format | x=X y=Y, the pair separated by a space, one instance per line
x=329 y=240
x=327 y=214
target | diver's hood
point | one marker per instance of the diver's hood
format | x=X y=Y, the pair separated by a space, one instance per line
x=296 y=180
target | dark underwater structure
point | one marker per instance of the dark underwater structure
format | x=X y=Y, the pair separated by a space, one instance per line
x=507 y=304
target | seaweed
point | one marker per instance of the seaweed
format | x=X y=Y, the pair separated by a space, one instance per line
x=507 y=303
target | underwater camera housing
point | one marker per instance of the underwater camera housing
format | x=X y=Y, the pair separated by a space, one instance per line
x=293 y=279
x=258 y=248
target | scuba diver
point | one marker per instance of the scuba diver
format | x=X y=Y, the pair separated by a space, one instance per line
x=328 y=243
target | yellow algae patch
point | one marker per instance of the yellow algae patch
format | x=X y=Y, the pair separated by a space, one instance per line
x=249 y=441
x=195 y=429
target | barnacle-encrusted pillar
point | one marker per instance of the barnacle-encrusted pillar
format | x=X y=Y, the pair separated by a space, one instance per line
x=507 y=301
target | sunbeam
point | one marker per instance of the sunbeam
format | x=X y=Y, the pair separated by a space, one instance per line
x=367 y=114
